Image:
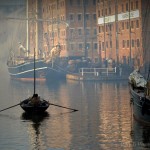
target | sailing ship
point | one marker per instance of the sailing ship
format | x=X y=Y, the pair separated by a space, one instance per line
x=22 y=68
x=34 y=104
x=48 y=64
x=139 y=79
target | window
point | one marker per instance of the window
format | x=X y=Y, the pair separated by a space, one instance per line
x=79 y=17
x=137 y=23
x=109 y=10
x=110 y=44
x=100 y=46
x=94 y=2
x=94 y=16
x=71 y=2
x=72 y=46
x=127 y=7
x=122 y=8
x=87 y=16
x=87 y=31
x=127 y=43
x=123 y=43
x=99 y=13
x=106 y=44
x=131 y=5
x=103 y=46
x=87 y=45
x=132 y=43
x=127 y=25
x=132 y=25
x=106 y=28
x=79 y=2
x=71 y=32
x=102 y=12
x=79 y=31
x=136 y=5
x=99 y=29
x=122 y=25
x=138 y=42
x=95 y=32
x=80 y=46
x=106 y=11
x=110 y=27
x=71 y=17
x=95 y=45
x=86 y=2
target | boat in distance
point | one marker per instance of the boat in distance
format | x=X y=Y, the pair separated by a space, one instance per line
x=23 y=70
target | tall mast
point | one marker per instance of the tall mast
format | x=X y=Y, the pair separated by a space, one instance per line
x=27 y=40
x=116 y=22
x=130 y=52
x=36 y=27
x=104 y=28
x=34 y=71
x=84 y=27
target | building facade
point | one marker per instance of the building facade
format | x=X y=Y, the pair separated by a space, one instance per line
x=73 y=25
x=120 y=31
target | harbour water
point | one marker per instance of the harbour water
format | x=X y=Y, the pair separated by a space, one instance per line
x=103 y=122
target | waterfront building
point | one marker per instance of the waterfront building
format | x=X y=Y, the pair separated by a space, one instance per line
x=73 y=25
x=120 y=30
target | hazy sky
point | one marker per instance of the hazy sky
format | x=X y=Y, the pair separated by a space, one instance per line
x=11 y=2
x=10 y=30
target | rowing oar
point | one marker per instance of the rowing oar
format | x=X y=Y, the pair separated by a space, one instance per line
x=63 y=107
x=10 y=107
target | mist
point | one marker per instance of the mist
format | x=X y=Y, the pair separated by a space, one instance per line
x=12 y=31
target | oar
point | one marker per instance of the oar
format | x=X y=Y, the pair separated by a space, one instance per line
x=10 y=107
x=63 y=107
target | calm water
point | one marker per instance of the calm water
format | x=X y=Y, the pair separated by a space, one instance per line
x=103 y=121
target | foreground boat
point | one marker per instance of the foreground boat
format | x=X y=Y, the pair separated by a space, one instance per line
x=140 y=97
x=30 y=108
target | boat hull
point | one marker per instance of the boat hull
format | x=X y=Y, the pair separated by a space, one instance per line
x=140 y=105
x=55 y=73
x=30 y=108
x=25 y=71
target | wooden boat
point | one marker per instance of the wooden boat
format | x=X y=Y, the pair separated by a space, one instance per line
x=140 y=98
x=28 y=107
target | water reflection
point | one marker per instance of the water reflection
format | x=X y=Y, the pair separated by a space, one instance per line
x=140 y=135
x=104 y=119
x=34 y=128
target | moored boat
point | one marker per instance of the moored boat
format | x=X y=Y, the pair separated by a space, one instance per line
x=140 y=97
x=23 y=68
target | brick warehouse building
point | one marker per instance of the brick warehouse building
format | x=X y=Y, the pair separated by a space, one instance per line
x=72 y=23
x=121 y=28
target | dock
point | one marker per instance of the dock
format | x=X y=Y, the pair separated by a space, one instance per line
x=97 y=74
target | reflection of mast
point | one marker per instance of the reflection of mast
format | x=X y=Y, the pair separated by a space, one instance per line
x=34 y=129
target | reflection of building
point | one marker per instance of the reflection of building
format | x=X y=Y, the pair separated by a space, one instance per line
x=120 y=35
x=73 y=25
